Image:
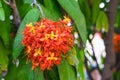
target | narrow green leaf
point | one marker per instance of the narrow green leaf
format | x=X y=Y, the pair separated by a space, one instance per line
x=3 y=58
x=31 y=16
x=80 y=67
x=102 y=22
x=95 y=10
x=0 y=4
x=12 y=71
x=48 y=13
x=2 y=14
x=25 y=72
x=72 y=57
x=5 y=25
x=52 y=6
x=81 y=64
x=24 y=9
x=72 y=8
x=52 y=74
x=21 y=72
x=38 y=75
x=85 y=8
x=66 y=71
x=27 y=1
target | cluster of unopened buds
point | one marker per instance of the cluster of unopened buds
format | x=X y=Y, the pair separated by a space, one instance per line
x=45 y=41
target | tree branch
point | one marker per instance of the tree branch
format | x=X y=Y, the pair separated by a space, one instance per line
x=108 y=39
x=16 y=16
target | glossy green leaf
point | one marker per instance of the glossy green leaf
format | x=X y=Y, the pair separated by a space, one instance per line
x=31 y=16
x=72 y=8
x=102 y=22
x=95 y=10
x=2 y=14
x=52 y=6
x=66 y=71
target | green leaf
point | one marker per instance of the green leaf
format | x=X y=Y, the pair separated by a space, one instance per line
x=72 y=57
x=21 y=72
x=102 y=22
x=95 y=10
x=3 y=57
x=25 y=72
x=27 y=1
x=52 y=74
x=0 y=4
x=72 y=8
x=31 y=16
x=52 y=6
x=5 y=25
x=24 y=9
x=81 y=64
x=2 y=14
x=66 y=71
x=48 y=13
x=38 y=74
x=85 y=8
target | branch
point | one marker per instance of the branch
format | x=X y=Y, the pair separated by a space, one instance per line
x=16 y=16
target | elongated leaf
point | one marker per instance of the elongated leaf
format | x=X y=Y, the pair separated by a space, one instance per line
x=95 y=10
x=66 y=71
x=27 y=1
x=2 y=14
x=21 y=72
x=49 y=14
x=5 y=25
x=38 y=75
x=0 y=4
x=31 y=16
x=72 y=8
x=81 y=64
x=3 y=58
x=24 y=9
x=102 y=22
x=72 y=57
x=52 y=74
x=85 y=8
x=52 y=6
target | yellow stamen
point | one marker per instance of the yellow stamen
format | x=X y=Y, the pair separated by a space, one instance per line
x=32 y=28
x=52 y=35
x=51 y=57
x=66 y=19
x=38 y=52
x=28 y=49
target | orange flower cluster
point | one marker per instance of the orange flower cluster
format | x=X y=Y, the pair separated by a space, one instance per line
x=46 y=40
x=116 y=42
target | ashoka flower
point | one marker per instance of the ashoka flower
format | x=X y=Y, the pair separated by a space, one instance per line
x=45 y=41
